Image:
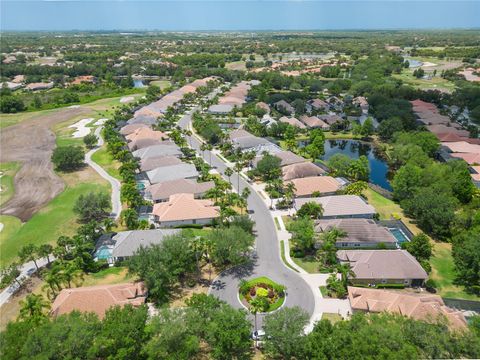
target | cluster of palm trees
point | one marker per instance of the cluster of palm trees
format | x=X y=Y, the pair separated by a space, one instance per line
x=276 y=189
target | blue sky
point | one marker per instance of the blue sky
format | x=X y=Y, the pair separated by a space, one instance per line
x=237 y=15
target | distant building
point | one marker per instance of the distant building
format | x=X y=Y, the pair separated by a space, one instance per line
x=292 y=121
x=284 y=107
x=39 y=86
x=301 y=170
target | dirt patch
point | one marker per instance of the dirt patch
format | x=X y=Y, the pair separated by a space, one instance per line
x=183 y=293
x=31 y=143
x=10 y=310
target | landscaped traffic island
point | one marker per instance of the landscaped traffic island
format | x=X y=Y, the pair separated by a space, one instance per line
x=261 y=295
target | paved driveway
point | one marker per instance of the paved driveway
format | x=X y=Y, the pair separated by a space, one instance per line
x=266 y=261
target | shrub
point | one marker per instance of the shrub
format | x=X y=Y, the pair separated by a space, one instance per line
x=68 y=158
x=261 y=292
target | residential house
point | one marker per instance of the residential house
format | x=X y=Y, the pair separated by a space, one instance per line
x=267 y=120
x=249 y=142
x=263 y=106
x=131 y=128
x=39 y=86
x=158 y=150
x=121 y=246
x=323 y=185
x=12 y=85
x=340 y=206
x=418 y=306
x=286 y=157
x=162 y=191
x=313 y=122
x=377 y=267
x=84 y=79
x=301 y=170
x=98 y=299
x=284 y=107
x=145 y=119
x=158 y=161
x=292 y=121
x=361 y=102
x=220 y=109
x=330 y=119
x=364 y=233
x=317 y=104
x=146 y=133
x=146 y=142
x=184 y=209
x=172 y=172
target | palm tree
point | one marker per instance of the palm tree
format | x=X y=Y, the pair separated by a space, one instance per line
x=108 y=224
x=256 y=306
x=52 y=279
x=229 y=173
x=203 y=147
x=245 y=194
x=347 y=273
x=238 y=168
x=32 y=308
x=29 y=253
x=44 y=251
x=289 y=191
x=70 y=272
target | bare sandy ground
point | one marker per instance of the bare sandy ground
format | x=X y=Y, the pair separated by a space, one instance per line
x=31 y=143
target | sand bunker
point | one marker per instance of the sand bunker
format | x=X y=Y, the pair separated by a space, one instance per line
x=428 y=64
x=100 y=122
x=81 y=127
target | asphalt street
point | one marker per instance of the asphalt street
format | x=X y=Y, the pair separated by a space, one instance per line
x=266 y=260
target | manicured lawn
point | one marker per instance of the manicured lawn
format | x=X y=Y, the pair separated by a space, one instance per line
x=109 y=276
x=332 y=317
x=197 y=232
x=11 y=225
x=443 y=273
x=8 y=171
x=308 y=263
x=436 y=83
x=12 y=119
x=103 y=158
x=388 y=209
x=162 y=84
x=54 y=220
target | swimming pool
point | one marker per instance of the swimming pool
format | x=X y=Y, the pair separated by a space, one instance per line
x=103 y=253
x=399 y=235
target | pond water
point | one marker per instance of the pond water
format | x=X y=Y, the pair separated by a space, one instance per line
x=138 y=83
x=354 y=149
x=414 y=63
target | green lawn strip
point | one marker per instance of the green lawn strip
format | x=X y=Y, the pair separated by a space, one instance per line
x=103 y=158
x=324 y=291
x=308 y=263
x=6 y=180
x=443 y=273
x=284 y=259
x=277 y=223
x=54 y=220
